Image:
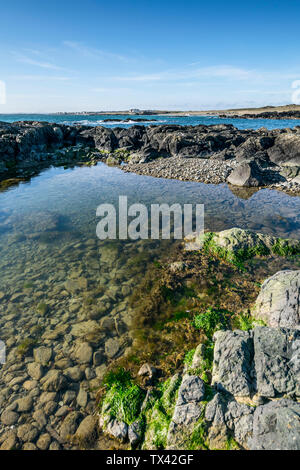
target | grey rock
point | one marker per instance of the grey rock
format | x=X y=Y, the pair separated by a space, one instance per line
x=187 y=414
x=286 y=150
x=117 y=429
x=233 y=362
x=192 y=389
x=247 y=174
x=35 y=370
x=70 y=424
x=42 y=355
x=277 y=361
x=84 y=353
x=276 y=426
x=54 y=381
x=135 y=432
x=278 y=303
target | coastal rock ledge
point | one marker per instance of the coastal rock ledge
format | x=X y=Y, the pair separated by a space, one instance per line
x=241 y=157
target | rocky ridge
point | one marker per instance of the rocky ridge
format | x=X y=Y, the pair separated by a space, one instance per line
x=250 y=158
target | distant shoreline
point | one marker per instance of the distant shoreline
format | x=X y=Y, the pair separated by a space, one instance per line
x=290 y=111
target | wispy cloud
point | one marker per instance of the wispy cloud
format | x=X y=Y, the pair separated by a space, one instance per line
x=38 y=63
x=40 y=77
x=213 y=72
x=219 y=71
x=94 y=53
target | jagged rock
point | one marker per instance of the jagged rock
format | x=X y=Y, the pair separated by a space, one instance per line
x=135 y=431
x=233 y=359
x=253 y=146
x=192 y=389
x=276 y=426
x=264 y=361
x=247 y=174
x=117 y=429
x=159 y=414
x=228 y=417
x=286 y=150
x=277 y=361
x=278 y=303
x=188 y=411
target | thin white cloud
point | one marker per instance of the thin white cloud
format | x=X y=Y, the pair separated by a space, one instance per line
x=219 y=71
x=39 y=77
x=213 y=72
x=94 y=53
x=37 y=63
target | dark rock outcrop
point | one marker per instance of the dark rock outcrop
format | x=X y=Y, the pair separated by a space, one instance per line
x=262 y=154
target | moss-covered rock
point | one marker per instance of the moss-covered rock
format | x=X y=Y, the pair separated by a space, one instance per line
x=237 y=245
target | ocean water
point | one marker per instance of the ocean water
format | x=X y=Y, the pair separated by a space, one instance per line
x=99 y=120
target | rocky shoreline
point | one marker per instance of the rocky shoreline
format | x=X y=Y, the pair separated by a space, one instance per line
x=289 y=114
x=238 y=388
x=210 y=154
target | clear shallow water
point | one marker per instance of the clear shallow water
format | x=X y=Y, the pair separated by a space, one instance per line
x=98 y=120
x=61 y=287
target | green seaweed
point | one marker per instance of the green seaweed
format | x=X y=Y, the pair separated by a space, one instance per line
x=123 y=397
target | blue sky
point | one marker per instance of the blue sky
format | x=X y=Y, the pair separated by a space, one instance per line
x=100 y=55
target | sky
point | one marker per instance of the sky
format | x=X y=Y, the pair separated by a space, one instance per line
x=97 y=55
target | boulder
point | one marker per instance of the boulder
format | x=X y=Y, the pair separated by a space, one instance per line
x=277 y=361
x=278 y=303
x=233 y=362
x=276 y=426
x=247 y=174
x=286 y=150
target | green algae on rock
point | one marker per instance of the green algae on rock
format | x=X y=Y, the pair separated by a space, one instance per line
x=237 y=245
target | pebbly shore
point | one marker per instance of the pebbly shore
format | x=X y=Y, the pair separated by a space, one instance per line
x=210 y=154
